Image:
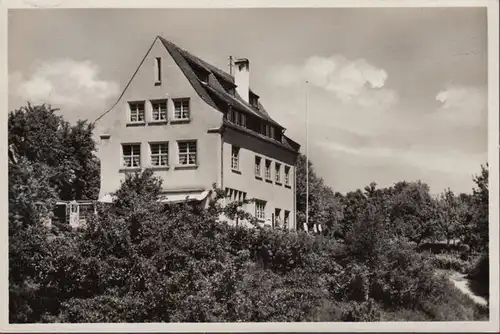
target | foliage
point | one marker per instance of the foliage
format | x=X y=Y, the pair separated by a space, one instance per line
x=40 y=136
x=142 y=261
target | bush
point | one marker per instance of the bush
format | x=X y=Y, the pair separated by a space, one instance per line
x=367 y=311
x=450 y=262
x=479 y=276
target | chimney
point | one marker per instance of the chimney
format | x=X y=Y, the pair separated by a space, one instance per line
x=242 y=78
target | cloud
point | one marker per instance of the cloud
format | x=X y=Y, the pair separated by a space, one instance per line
x=351 y=81
x=465 y=105
x=64 y=83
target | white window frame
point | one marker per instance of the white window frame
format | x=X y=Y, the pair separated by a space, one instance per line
x=160 y=112
x=267 y=170
x=133 y=156
x=260 y=210
x=182 y=111
x=162 y=153
x=258 y=166
x=189 y=152
x=136 y=111
x=235 y=158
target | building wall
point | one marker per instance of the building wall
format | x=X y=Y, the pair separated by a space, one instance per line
x=276 y=196
x=174 y=84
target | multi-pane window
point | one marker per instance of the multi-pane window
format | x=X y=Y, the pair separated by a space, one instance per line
x=235 y=158
x=287 y=175
x=159 y=154
x=287 y=218
x=131 y=154
x=136 y=111
x=277 y=172
x=258 y=161
x=268 y=169
x=260 y=209
x=187 y=152
x=181 y=109
x=159 y=110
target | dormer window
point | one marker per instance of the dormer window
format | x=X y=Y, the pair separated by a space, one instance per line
x=254 y=100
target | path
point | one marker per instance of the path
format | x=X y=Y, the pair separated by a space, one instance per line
x=462 y=283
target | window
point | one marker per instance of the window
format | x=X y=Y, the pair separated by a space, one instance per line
x=243 y=120
x=277 y=173
x=258 y=161
x=277 y=217
x=131 y=154
x=159 y=110
x=187 y=152
x=286 y=219
x=157 y=70
x=159 y=154
x=230 y=116
x=268 y=169
x=287 y=175
x=260 y=210
x=272 y=134
x=235 y=158
x=237 y=118
x=136 y=111
x=181 y=109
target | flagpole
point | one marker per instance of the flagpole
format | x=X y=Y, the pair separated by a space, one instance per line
x=307 y=161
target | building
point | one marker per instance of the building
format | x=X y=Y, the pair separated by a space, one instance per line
x=196 y=125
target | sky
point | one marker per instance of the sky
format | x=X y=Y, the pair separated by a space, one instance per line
x=392 y=93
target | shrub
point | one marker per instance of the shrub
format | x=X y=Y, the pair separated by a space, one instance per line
x=367 y=311
x=449 y=262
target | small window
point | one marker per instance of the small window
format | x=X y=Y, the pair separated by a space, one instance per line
x=260 y=209
x=258 y=162
x=243 y=120
x=230 y=116
x=131 y=154
x=235 y=158
x=277 y=172
x=187 y=153
x=272 y=132
x=181 y=109
x=286 y=218
x=159 y=154
x=287 y=175
x=268 y=169
x=277 y=217
x=237 y=118
x=136 y=112
x=157 y=70
x=159 y=110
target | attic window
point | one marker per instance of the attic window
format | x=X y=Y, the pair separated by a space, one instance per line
x=157 y=71
x=254 y=101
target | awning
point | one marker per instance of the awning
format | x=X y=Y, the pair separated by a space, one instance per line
x=187 y=196
x=108 y=198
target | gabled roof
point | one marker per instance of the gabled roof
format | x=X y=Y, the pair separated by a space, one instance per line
x=186 y=61
x=214 y=90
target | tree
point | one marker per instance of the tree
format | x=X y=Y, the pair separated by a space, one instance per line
x=480 y=202
x=324 y=207
x=40 y=136
x=413 y=211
